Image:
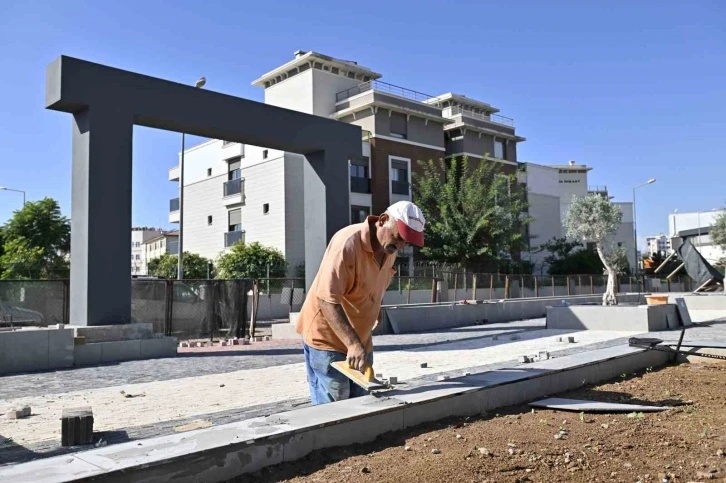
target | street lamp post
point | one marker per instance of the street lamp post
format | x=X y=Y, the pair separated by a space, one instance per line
x=180 y=257
x=3 y=188
x=635 y=228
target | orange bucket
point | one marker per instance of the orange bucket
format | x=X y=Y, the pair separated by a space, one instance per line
x=656 y=299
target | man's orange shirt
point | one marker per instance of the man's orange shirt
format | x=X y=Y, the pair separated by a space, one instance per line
x=350 y=276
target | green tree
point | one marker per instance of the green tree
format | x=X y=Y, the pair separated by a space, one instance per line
x=718 y=231
x=165 y=266
x=36 y=241
x=474 y=212
x=251 y=261
x=592 y=219
x=569 y=257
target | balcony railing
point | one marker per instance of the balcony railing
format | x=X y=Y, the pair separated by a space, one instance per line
x=460 y=111
x=400 y=188
x=376 y=85
x=232 y=237
x=234 y=187
x=360 y=185
x=597 y=188
x=174 y=205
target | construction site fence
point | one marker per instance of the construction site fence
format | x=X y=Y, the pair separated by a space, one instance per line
x=200 y=309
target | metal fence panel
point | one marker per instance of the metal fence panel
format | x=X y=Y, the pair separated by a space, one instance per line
x=33 y=302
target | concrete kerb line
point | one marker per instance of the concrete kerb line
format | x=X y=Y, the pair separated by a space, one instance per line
x=247 y=446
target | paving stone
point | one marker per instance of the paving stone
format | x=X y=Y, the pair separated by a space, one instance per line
x=77 y=426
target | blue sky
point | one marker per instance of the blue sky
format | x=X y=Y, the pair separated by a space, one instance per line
x=634 y=89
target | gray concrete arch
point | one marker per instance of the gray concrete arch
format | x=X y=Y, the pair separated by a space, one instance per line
x=106 y=103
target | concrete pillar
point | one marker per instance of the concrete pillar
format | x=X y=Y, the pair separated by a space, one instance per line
x=100 y=288
x=325 y=178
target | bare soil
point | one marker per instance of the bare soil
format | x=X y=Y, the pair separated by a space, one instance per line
x=684 y=444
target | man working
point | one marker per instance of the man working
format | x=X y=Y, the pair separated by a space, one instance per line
x=342 y=306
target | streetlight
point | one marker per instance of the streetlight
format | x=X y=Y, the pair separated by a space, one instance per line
x=635 y=229
x=180 y=259
x=3 y=188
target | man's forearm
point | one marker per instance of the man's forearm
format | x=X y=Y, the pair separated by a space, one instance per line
x=338 y=321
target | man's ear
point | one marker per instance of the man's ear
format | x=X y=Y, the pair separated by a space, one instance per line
x=382 y=219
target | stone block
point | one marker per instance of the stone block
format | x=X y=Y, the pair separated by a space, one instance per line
x=87 y=355
x=76 y=426
x=119 y=351
x=393 y=380
x=156 y=348
x=60 y=349
x=24 y=350
x=18 y=412
x=112 y=333
x=543 y=355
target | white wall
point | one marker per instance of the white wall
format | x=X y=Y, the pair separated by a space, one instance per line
x=325 y=86
x=691 y=221
x=294 y=210
x=140 y=266
x=294 y=93
x=571 y=185
x=545 y=210
x=542 y=179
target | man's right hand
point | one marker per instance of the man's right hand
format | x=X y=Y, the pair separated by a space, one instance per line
x=357 y=357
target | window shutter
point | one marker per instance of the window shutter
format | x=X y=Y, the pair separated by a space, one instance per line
x=235 y=217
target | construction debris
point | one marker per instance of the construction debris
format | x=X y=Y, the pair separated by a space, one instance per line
x=424 y=365
x=393 y=380
x=442 y=378
x=18 y=413
x=77 y=426
x=592 y=406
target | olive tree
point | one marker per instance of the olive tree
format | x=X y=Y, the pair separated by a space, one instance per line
x=592 y=219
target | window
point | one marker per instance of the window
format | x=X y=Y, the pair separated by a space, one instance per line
x=500 y=148
x=234 y=171
x=358 y=214
x=235 y=220
x=265 y=208
x=209 y=220
x=335 y=70
x=399 y=125
x=359 y=179
x=399 y=177
x=264 y=153
x=456 y=135
x=209 y=172
x=138 y=257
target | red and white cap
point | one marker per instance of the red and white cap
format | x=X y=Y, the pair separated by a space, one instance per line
x=410 y=221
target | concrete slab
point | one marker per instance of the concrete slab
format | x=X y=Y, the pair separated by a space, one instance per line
x=87 y=355
x=711 y=301
x=111 y=333
x=284 y=331
x=157 y=347
x=24 y=350
x=60 y=349
x=51 y=470
x=404 y=319
x=119 y=351
x=639 y=318
x=579 y=405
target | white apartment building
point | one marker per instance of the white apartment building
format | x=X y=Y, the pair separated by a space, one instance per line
x=550 y=191
x=235 y=192
x=659 y=244
x=139 y=236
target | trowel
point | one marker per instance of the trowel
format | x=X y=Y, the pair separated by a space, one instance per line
x=365 y=379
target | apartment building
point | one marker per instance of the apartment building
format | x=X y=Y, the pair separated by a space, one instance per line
x=239 y=192
x=165 y=242
x=659 y=244
x=139 y=236
x=550 y=191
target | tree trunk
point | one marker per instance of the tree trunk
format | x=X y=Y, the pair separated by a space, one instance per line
x=608 y=298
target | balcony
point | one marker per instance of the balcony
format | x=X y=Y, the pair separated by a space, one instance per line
x=174 y=210
x=233 y=237
x=387 y=96
x=455 y=111
x=400 y=188
x=174 y=173
x=360 y=185
x=233 y=192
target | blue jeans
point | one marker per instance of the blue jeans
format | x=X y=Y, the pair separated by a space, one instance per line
x=327 y=384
